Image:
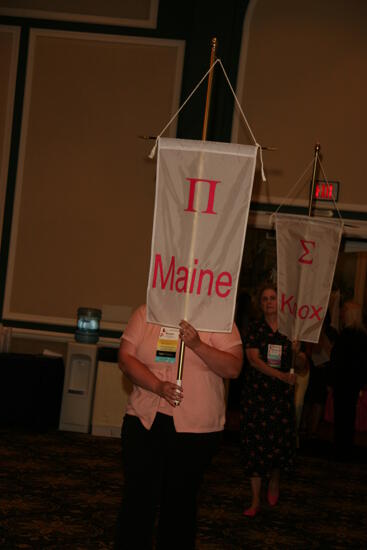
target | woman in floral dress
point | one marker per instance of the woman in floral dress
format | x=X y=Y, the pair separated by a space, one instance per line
x=268 y=412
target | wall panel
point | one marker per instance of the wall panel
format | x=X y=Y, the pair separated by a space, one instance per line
x=85 y=188
x=109 y=12
x=302 y=80
x=9 y=45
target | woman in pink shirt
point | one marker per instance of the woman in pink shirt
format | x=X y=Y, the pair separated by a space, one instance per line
x=170 y=433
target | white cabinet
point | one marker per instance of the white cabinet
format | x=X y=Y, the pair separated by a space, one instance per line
x=110 y=400
x=79 y=384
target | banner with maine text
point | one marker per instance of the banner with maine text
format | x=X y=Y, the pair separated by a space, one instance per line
x=203 y=193
x=307 y=252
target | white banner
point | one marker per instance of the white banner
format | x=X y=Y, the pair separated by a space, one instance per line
x=203 y=193
x=307 y=252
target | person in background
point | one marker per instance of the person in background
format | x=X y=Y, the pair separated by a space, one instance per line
x=170 y=433
x=349 y=371
x=268 y=411
x=319 y=359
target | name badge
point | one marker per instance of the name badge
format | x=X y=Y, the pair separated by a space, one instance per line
x=167 y=345
x=274 y=355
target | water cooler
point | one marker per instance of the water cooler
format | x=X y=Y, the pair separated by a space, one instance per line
x=80 y=374
x=79 y=382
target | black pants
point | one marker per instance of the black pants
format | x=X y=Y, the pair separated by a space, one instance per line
x=163 y=471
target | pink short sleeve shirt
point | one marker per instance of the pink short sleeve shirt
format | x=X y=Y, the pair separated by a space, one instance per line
x=202 y=409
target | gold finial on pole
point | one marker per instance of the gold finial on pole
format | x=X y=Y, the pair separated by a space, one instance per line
x=214 y=43
x=316 y=159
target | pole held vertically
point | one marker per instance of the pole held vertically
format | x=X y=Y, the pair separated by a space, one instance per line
x=314 y=170
x=214 y=44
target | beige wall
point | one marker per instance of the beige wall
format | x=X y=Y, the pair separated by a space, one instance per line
x=84 y=194
x=303 y=80
x=84 y=198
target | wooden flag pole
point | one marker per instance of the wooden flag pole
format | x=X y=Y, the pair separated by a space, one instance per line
x=315 y=162
x=314 y=170
x=214 y=43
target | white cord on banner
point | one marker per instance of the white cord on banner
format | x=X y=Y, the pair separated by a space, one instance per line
x=327 y=183
x=292 y=189
x=154 y=149
x=297 y=182
x=245 y=119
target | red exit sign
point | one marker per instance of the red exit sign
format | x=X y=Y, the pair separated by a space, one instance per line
x=326 y=191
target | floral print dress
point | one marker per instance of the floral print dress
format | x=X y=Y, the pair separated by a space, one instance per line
x=267 y=409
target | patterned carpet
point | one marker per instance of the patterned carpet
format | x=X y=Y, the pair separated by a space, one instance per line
x=62 y=490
